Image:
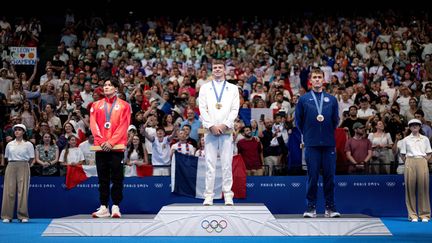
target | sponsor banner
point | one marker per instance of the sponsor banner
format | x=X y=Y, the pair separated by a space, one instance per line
x=371 y=195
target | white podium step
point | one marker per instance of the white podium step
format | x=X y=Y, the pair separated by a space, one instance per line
x=216 y=220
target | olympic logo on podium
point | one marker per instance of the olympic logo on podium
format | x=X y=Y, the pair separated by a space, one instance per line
x=214 y=225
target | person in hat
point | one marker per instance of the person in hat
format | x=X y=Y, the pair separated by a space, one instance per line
x=415 y=152
x=109 y=120
x=219 y=104
x=19 y=154
x=358 y=150
x=132 y=130
x=317 y=116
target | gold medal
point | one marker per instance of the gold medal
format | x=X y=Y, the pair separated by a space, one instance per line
x=320 y=118
x=218 y=106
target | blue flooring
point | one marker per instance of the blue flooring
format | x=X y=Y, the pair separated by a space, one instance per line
x=402 y=230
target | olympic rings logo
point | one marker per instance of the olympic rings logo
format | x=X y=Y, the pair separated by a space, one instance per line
x=158 y=185
x=214 y=225
x=295 y=184
x=391 y=183
x=342 y=184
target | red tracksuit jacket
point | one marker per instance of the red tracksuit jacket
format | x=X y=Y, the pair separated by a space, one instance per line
x=120 y=120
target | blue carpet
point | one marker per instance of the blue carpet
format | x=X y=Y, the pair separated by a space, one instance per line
x=402 y=230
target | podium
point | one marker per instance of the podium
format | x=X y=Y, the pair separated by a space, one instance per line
x=216 y=220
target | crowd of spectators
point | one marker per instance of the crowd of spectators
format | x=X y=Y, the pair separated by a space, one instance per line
x=379 y=68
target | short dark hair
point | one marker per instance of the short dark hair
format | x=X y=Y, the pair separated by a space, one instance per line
x=419 y=112
x=113 y=81
x=243 y=128
x=160 y=128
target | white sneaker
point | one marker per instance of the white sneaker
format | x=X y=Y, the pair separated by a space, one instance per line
x=24 y=220
x=229 y=201
x=115 y=212
x=102 y=212
x=7 y=220
x=310 y=213
x=208 y=201
x=414 y=220
x=331 y=214
x=425 y=220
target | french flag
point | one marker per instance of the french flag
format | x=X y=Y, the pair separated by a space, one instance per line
x=76 y=174
x=188 y=176
x=163 y=105
x=247 y=114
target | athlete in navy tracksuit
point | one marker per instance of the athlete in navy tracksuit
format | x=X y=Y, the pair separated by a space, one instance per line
x=316 y=116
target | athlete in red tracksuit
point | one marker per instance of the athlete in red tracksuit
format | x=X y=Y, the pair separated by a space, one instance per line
x=109 y=120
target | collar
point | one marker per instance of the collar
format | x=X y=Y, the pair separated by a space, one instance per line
x=412 y=136
x=110 y=100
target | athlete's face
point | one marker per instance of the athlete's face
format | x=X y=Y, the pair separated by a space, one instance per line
x=109 y=88
x=317 y=80
x=218 y=71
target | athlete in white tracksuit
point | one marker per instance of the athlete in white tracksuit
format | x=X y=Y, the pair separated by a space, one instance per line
x=219 y=105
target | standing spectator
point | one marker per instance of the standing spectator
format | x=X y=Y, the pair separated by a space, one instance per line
x=416 y=151
x=161 y=154
x=47 y=155
x=426 y=103
x=317 y=116
x=182 y=146
x=427 y=130
x=381 y=146
x=358 y=150
x=19 y=154
x=136 y=153
x=89 y=155
x=352 y=118
x=194 y=123
x=251 y=151
x=271 y=153
x=71 y=155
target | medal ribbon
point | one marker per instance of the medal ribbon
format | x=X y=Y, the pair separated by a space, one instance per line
x=108 y=114
x=218 y=98
x=320 y=106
